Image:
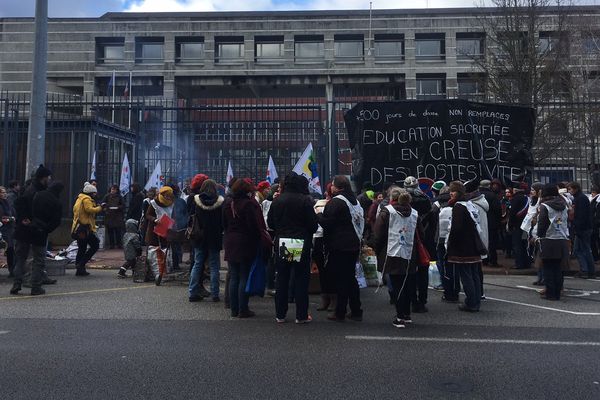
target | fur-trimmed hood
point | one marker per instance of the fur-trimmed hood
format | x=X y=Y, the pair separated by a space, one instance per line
x=208 y=203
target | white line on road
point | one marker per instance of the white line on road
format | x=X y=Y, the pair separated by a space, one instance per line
x=3 y=332
x=545 y=308
x=462 y=340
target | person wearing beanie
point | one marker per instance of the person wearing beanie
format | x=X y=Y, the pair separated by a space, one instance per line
x=464 y=248
x=494 y=217
x=114 y=217
x=262 y=191
x=28 y=236
x=363 y=198
x=553 y=237
x=160 y=207
x=197 y=182
x=84 y=227
x=437 y=187
x=519 y=205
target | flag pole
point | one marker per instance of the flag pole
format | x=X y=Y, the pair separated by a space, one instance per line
x=113 y=96
x=129 y=94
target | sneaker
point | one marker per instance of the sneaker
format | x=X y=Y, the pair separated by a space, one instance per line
x=281 y=320
x=195 y=299
x=49 y=281
x=122 y=273
x=37 y=291
x=399 y=323
x=483 y=297
x=158 y=279
x=81 y=272
x=304 y=321
x=439 y=288
x=406 y=319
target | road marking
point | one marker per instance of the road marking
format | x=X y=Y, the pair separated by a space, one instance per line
x=592 y=280
x=577 y=292
x=3 y=332
x=78 y=292
x=545 y=308
x=462 y=340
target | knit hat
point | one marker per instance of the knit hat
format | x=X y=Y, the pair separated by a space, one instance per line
x=89 y=189
x=42 y=172
x=370 y=194
x=197 y=181
x=486 y=184
x=263 y=185
x=437 y=186
x=163 y=193
x=411 y=182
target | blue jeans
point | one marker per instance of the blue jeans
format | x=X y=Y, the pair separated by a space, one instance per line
x=214 y=263
x=469 y=276
x=583 y=251
x=238 y=277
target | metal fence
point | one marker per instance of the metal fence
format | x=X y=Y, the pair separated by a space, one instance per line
x=189 y=136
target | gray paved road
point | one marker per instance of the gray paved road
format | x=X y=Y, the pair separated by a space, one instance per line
x=104 y=338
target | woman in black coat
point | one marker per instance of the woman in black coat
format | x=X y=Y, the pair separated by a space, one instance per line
x=342 y=232
x=207 y=225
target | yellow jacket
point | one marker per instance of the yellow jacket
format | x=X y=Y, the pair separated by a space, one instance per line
x=85 y=212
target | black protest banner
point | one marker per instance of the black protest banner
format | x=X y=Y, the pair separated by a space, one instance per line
x=439 y=139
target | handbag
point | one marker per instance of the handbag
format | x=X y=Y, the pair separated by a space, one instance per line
x=176 y=236
x=81 y=231
x=423 y=257
x=194 y=231
x=255 y=286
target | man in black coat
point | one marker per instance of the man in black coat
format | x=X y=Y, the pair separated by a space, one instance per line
x=30 y=233
x=582 y=225
x=136 y=202
x=519 y=205
x=494 y=216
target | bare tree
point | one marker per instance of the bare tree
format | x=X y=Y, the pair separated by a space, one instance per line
x=527 y=63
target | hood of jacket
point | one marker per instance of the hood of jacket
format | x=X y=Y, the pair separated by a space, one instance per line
x=83 y=196
x=403 y=210
x=443 y=199
x=351 y=197
x=480 y=201
x=557 y=203
x=208 y=202
x=131 y=226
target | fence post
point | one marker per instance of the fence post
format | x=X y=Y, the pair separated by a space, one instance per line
x=6 y=144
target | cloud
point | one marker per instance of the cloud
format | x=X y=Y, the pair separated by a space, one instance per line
x=62 y=8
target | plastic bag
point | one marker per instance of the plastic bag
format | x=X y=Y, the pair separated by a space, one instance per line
x=257 y=278
x=434 y=275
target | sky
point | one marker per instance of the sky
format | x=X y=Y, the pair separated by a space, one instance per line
x=95 y=8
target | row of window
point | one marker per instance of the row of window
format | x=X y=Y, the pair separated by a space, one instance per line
x=307 y=48
x=311 y=48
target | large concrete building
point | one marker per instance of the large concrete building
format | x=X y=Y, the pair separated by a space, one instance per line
x=260 y=54
x=302 y=68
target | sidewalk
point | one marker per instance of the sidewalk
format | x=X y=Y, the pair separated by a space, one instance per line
x=113 y=259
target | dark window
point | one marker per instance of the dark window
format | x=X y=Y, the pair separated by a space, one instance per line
x=229 y=49
x=389 y=47
x=430 y=46
x=470 y=46
x=431 y=86
x=268 y=49
x=141 y=86
x=511 y=44
x=309 y=48
x=149 y=50
x=189 y=49
x=471 y=86
x=110 y=50
x=349 y=47
x=591 y=43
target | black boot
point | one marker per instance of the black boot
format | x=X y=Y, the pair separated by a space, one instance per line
x=81 y=271
x=16 y=288
x=37 y=291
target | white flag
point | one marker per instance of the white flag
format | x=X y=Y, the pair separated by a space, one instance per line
x=125 y=177
x=271 y=171
x=229 y=173
x=155 y=179
x=93 y=173
x=307 y=167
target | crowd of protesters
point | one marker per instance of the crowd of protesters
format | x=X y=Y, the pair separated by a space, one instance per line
x=459 y=225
